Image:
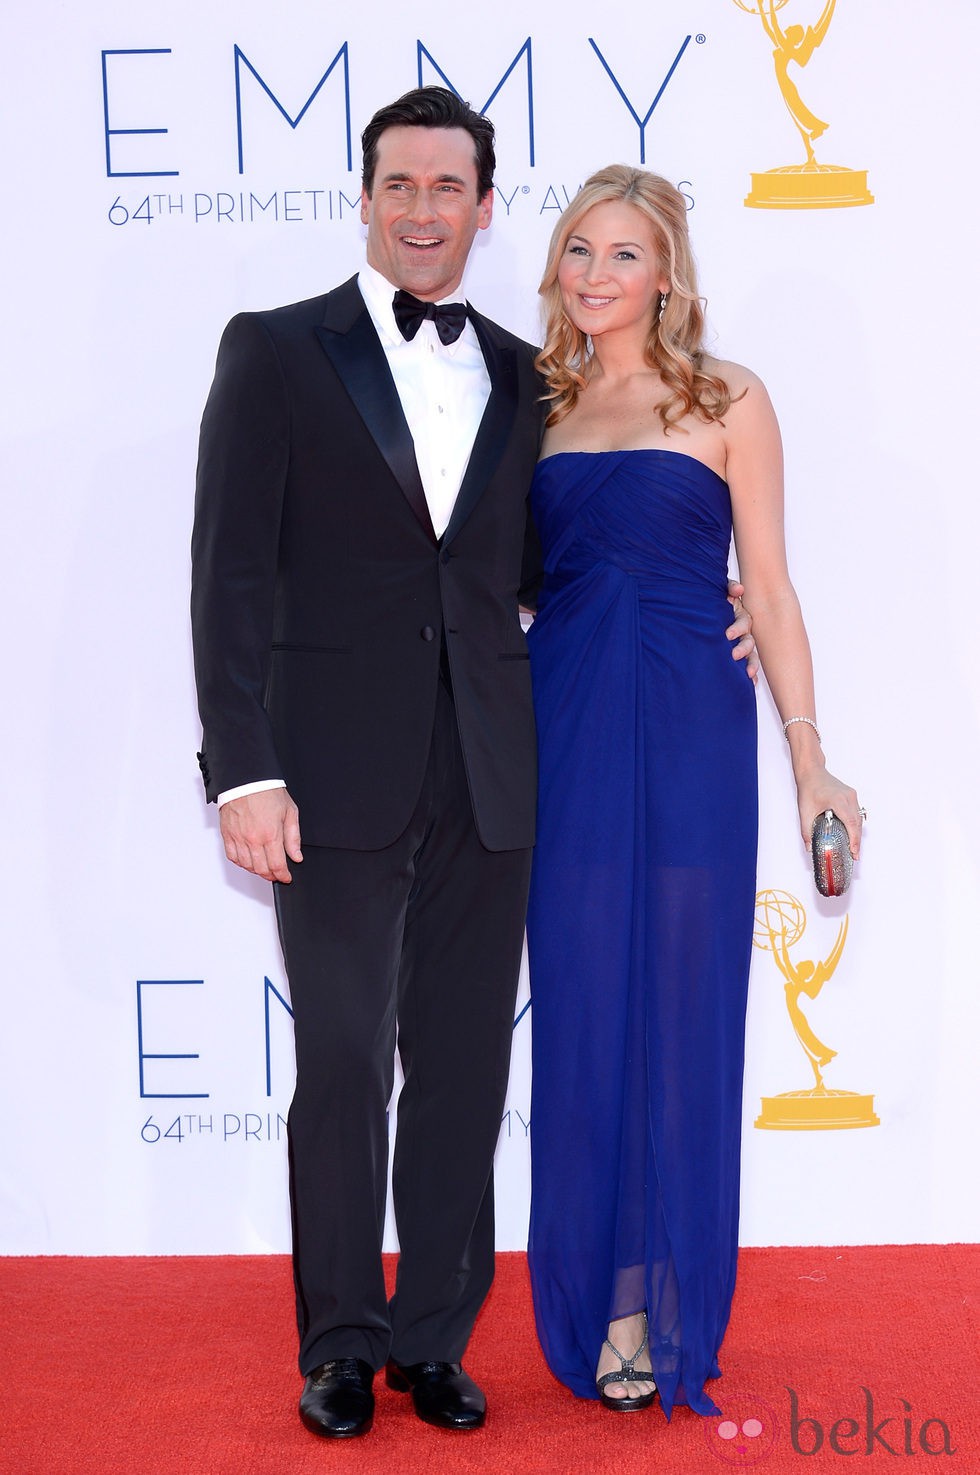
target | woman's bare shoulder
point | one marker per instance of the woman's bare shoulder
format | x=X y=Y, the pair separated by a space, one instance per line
x=736 y=376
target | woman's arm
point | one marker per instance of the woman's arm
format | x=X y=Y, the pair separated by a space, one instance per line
x=754 y=470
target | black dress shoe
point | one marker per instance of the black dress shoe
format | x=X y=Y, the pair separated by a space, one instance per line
x=442 y=1393
x=337 y=1399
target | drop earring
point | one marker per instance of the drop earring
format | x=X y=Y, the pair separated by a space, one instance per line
x=663 y=307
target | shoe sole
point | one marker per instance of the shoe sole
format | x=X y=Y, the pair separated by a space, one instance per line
x=453 y=1428
x=324 y=1433
x=627 y=1405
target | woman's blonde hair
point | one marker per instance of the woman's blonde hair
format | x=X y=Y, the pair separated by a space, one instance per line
x=674 y=346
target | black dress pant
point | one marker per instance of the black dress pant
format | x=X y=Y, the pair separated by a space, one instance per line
x=421 y=943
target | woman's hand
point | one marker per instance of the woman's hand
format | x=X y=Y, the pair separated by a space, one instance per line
x=818 y=790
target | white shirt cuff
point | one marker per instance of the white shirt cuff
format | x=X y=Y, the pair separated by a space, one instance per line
x=258 y=787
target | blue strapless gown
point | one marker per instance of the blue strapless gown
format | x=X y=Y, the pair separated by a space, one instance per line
x=641 y=913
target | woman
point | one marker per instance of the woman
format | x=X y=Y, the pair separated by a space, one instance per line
x=642 y=896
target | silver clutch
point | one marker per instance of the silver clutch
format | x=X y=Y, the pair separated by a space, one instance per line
x=832 y=863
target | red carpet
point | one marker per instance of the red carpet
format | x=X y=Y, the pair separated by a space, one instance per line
x=186 y=1366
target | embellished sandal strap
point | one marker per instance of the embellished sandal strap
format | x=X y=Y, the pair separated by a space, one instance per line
x=627 y=1372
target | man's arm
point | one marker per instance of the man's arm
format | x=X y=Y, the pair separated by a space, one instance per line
x=234 y=551
x=240 y=483
x=531 y=564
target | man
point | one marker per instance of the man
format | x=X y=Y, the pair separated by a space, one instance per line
x=360 y=531
x=361 y=542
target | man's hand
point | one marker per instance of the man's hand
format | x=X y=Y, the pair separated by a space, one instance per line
x=741 y=631
x=259 y=831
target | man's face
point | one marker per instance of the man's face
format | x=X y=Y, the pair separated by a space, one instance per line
x=424 y=209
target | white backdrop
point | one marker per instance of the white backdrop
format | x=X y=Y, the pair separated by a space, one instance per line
x=146 y=1059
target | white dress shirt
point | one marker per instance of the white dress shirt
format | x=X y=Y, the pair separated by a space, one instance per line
x=443 y=389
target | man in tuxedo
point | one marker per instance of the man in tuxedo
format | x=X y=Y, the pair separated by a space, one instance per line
x=361 y=541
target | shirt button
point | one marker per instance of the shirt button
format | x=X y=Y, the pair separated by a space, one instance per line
x=427 y=632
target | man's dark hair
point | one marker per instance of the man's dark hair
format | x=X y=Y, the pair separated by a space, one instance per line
x=431 y=107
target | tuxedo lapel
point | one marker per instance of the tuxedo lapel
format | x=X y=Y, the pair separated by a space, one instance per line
x=350 y=342
x=498 y=418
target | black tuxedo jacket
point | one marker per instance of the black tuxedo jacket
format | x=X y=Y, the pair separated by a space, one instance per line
x=321 y=595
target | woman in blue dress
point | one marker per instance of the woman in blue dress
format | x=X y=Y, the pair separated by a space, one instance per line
x=643 y=889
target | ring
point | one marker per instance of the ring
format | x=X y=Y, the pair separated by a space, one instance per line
x=863 y=813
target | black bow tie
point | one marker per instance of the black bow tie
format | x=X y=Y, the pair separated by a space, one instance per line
x=410 y=313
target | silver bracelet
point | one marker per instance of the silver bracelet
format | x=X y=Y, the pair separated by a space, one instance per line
x=809 y=722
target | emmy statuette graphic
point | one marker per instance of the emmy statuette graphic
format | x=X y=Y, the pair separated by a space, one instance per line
x=780 y=922
x=811 y=185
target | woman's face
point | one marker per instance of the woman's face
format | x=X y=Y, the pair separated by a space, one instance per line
x=610 y=274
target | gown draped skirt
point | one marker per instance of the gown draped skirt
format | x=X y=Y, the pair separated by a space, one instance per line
x=641 y=913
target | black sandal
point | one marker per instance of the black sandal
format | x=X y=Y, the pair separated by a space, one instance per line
x=626 y=1373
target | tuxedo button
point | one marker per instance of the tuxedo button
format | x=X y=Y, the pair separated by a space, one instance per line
x=446 y=556
x=427 y=632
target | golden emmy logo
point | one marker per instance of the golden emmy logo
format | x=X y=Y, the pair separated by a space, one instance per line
x=780 y=922
x=808 y=186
